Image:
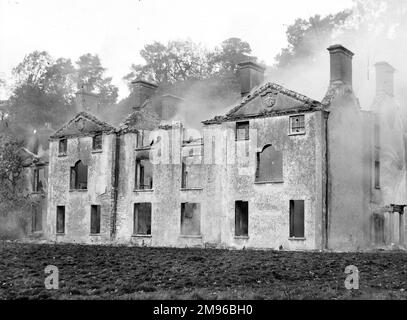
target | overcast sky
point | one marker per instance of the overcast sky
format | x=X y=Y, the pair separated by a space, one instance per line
x=117 y=30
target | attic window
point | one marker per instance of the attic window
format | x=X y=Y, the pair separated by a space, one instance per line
x=297 y=124
x=97 y=142
x=242 y=130
x=63 y=144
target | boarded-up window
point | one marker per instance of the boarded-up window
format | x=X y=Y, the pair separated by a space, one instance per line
x=377 y=174
x=142 y=218
x=63 y=144
x=190 y=219
x=297 y=218
x=297 y=124
x=241 y=218
x=269 y=165
x=36 y=218
x=60 y=219
x=242 y=130
x=144 y=175
x=79 y=176
x=97 y=142
x=95 y=219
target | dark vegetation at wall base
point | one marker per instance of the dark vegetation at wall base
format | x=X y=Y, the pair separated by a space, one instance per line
x=110 y=272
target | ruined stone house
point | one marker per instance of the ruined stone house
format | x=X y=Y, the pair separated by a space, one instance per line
x=279 y=170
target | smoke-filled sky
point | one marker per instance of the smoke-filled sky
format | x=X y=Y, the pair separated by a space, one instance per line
x=118 y=30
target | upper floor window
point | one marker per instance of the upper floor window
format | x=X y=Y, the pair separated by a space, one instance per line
x=297 y=124
x=143 y=139
x=242 y=130
x=97 y=142
x=269 y=165
x=63 y=146
x=144 y=175
x=79 y=176
x=39 y=180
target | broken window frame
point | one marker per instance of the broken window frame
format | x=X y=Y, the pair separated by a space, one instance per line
x=137 y=213
x=297 y=219
x=139 y=176
x=95 y=219
x=62 y=146
x=297 y=124
x=242 y=126
x=97 y=142
x=75 y=182
x=276 y=170
x=241 y=218
x=184 y=230
x=60 y=220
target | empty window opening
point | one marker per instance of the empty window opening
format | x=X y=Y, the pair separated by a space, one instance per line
x=143 y=139
x=97 y=142
x=63 y=145
x=191 y=169
x=60 y=219
x=241 y=218
x=144 y=175
x=142 y=218
x=36 y=218
x=190 y=219
x=296 y=218
x=95 y=219
x=297 y=124
x=242 y=130
x=79 y=176
x=377 y=174
x=269 y=165
x=39 y=180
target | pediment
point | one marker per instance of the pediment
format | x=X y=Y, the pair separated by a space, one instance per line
x=82 y=125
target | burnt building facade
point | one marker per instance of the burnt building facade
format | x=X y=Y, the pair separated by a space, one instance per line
x=279 y=170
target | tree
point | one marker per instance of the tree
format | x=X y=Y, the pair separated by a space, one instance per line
x=176 y=61
x=42 y=92
x=306 y=36
x=11 y=172
x=91 y=73
x=231 y=52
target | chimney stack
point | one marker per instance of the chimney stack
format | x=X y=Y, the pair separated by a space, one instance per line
x=143 y=91
x=86 y=101
x=384 y=78
x=341 y=64
x=251 y=75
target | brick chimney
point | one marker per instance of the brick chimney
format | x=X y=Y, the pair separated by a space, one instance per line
x=341 y=64
x=86 y=101
x=251 y=75
x=143 y=91
x=384 y=78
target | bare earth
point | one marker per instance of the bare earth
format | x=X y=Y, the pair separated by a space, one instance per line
x=121 y=272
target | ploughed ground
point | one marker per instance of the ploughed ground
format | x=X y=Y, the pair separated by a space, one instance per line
x=122 y=272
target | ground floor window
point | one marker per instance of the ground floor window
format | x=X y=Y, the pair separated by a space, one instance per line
x=36 y=218
x=241 y=218
x=60 y=219
x=190 y=219
x=142 y=218
x=296 y=218
x=95 y=219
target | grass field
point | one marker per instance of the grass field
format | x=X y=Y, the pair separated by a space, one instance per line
x=120 y=272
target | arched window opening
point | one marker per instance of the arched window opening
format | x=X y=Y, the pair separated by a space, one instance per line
x=79 y=176
x=269 y=165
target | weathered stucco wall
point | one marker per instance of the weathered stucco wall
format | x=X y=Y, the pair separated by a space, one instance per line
x=78 y=202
